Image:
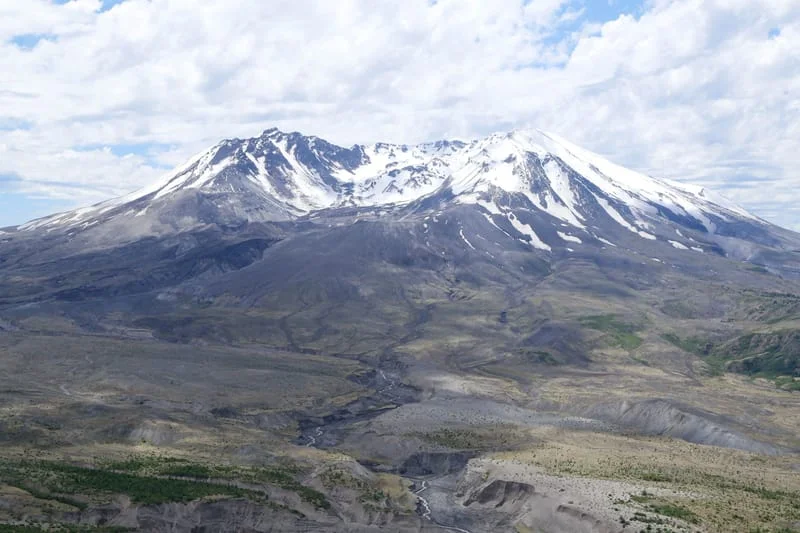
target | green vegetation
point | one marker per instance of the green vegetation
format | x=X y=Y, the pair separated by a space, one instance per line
x=189 y=470
x=768 y=354
x=336 y=477
x=618 y=334
x=371 y=497
x=680 y=309
x=774 y=355
x=639 y=516
x=788 y=383
x=655 y=476
x=282 y=476
x=675 y=511
x=314 y=497
x=140 y=463
x=495 y=438
x=376 y=496
x=538 y=356
x=770 y=307
x=143 y=490
x=662 y=508
x=693 y=345
x=644 y=497
x=731 y=493
x=699 y=347
x=44 y=495
x=52 y=480
x=149 y=480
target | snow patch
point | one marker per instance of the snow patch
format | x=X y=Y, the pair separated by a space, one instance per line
x=614 y=214
x=535 y=241
x=491 y=221
x=569 y=238
x=461 y=232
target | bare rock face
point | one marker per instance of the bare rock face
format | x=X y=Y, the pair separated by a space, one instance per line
x=504 y=505
x=434 y=463
x=158 y=434
x=662 y=417
x=500 y=493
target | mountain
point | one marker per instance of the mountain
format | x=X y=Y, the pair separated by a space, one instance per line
x=535 y=185
x=505 y=334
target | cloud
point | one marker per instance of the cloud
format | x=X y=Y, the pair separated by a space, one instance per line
x=701 y=91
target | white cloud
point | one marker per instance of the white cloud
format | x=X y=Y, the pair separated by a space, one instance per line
x=689 y=89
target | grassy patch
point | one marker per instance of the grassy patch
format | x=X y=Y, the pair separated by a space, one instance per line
x=675 y=511
x=773 y=355
x=767 y=354
x=141 y=463
x=56 y=481
x=617 y=333
x=149 y=480
x=788 y=383
x=496 y=438
x=45 y=495
x=693 y=345
x=282 y=476
x=191 y=470
x=661 y=508
x=373 y=495
x=769 y=307
x=538 y=356
x=658 y=477
x=680 y=309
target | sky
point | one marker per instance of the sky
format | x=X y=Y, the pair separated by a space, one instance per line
x=101 y=97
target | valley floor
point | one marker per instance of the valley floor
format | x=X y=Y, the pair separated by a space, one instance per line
x=142 y=434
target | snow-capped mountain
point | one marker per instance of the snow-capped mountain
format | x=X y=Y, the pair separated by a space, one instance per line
x=551 y=192
x=246 y=218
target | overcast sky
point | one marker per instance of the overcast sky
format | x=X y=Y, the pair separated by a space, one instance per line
x=98 y=98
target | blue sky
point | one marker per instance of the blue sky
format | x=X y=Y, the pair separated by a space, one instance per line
x=105 y=5
x=17 y=207
x=107 y=95
x=28 y=41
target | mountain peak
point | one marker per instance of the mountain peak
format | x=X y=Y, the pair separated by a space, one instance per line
x=272 y=132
